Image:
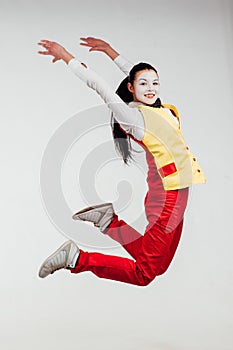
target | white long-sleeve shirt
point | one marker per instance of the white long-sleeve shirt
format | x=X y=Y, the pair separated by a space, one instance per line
x=130 y=119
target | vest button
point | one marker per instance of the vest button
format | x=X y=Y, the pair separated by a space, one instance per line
x=194 y=159
x=199 y=170
x=187 y=148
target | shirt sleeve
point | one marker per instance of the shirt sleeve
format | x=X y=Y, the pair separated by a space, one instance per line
x=130 y=119
x=124 y=65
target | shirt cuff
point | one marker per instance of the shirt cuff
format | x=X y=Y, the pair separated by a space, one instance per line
x=120 y=61
x=75 y=64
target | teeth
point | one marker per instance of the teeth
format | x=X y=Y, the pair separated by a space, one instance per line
x=149 y=95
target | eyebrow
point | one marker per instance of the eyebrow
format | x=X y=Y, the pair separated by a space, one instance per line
x=146 y=79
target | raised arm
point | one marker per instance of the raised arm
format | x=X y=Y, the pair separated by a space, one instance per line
x=130 y=118
x=56 y=50
x=100 y=45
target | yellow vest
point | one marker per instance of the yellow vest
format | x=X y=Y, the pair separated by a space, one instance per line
x=176 y=165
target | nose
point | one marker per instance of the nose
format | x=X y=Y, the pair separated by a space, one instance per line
x=150 y=87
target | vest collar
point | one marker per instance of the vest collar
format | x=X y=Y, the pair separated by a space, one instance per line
x=135 y=104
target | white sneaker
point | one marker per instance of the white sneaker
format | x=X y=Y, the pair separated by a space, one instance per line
x=101 y=215
x=64 y=257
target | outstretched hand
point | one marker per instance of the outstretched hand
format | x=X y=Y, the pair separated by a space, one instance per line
x=56 y=50
x=96 y=44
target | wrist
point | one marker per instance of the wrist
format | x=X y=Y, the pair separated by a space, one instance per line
x=66 y=56
x=111 y=52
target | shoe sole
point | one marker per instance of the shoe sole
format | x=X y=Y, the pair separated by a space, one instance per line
x=90 y=209
x=52 y=255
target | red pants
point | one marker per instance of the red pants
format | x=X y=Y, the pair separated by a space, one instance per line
x=152 y=252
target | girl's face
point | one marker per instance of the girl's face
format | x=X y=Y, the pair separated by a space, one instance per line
x=145 y=87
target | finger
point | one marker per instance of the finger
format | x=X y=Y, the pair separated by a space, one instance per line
x=45 y=41
x=41 y=44
x=83 y=44
x=44 y=52
x=45 y=46
x=85 y=40
x=90 y=38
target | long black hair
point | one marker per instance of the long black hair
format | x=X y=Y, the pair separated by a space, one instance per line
x=121 y=139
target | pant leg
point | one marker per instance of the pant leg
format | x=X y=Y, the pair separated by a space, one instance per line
x=140 y=272
x=127 y=236
x=171 y=252
x=160 y=241
x=111 y=267
x=155 y=203
x=155 y=247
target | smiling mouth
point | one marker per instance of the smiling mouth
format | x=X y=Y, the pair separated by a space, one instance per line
x=149 y=95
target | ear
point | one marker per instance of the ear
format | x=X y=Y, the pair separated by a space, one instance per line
x=130 y=87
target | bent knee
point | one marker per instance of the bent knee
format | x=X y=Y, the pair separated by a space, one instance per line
x=145 y=280
x=162 y=270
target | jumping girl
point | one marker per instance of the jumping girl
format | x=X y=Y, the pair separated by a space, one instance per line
x=137 y=114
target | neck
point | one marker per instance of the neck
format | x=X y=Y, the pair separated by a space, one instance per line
x=156 y=104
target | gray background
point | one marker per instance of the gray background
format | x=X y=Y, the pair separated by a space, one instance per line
x=189 y=308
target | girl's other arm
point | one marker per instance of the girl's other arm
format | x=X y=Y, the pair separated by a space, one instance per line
x=102 y=46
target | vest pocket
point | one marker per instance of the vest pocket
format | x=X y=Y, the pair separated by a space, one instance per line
x=167 y=170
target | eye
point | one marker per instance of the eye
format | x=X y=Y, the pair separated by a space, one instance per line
x=143 y=83
x=155 y=83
